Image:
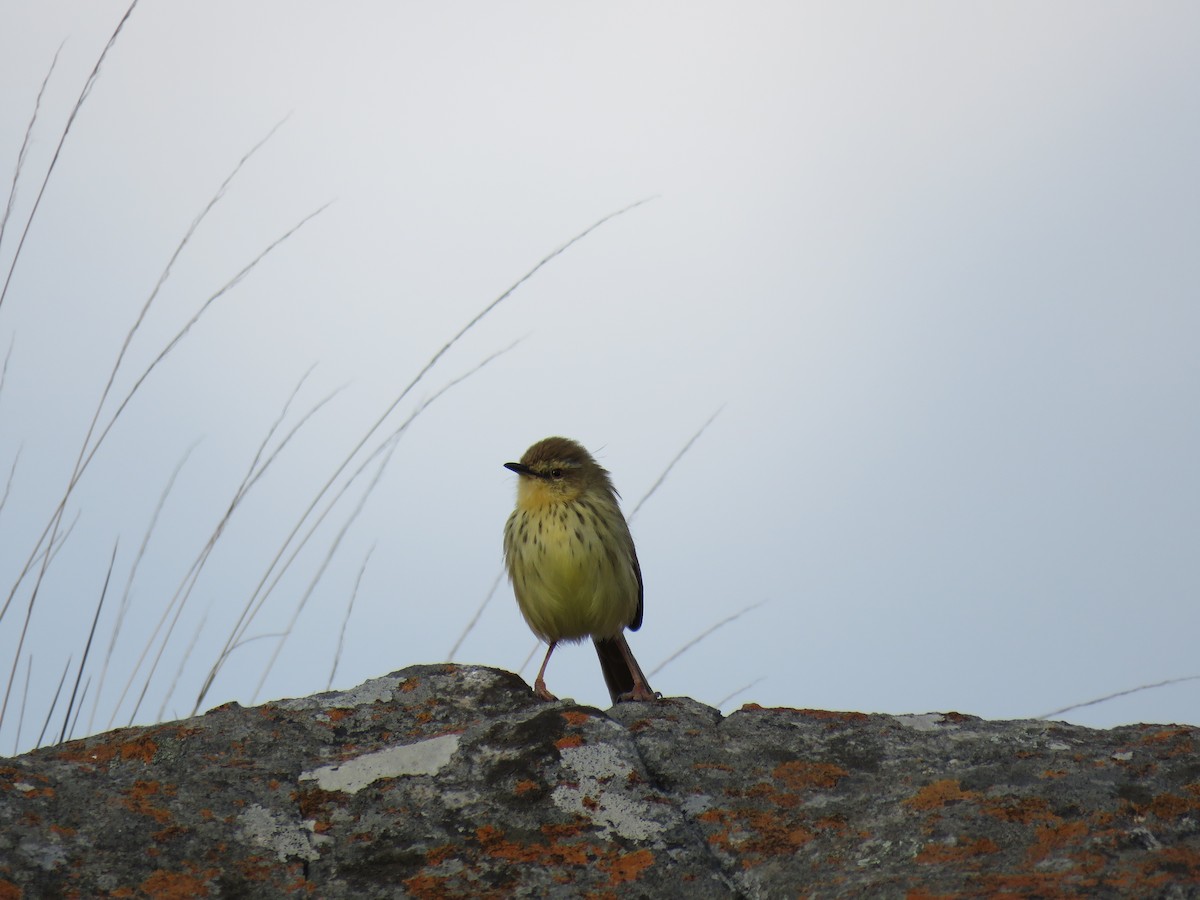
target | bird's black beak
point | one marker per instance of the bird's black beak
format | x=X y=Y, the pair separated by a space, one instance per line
x=521 y=469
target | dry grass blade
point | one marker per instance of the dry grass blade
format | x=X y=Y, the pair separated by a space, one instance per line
x=123 y=610
x=83 y=95
x=702 y=635
x=9 y=481
x=1125 y=693
x=24 y=700
x=86 y=456
x=78 y=709
x=183 y=332
x=678 y=456
x=88 y=448
x=254 y=472
x=384 y=451
x=87 y=649
x=12 y=191
x=257 y=469
x=475 y=618
x=53 y=703
x=7 y=356
x=721 y=703
x=337 y=656
x=528 y=659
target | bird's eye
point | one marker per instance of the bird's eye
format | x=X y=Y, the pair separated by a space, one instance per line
x=556 y=473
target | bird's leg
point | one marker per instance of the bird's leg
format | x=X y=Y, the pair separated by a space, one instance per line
x=539 y=683
x=640 y=690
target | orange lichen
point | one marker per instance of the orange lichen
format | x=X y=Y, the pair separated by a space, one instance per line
x=138 y=799
x=939 y=794
x=566 y=829
x=628 y=866
x=1026 y=811
x=164 y=885
x=99 y=754
x=1167 y=734
x=438 y=855
x=434 y=887
x=1171 y=806
x=1053 y=839
x=755 y=835
x=963 y=853
x=255 y=868
x=493 y=843
x=833 y=715
x=799 y=774
x=776 y=836
x=166 y=834
x=143 y=748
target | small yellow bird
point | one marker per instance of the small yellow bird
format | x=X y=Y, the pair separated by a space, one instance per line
x=572 y=562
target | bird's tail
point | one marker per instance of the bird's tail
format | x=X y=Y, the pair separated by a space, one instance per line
x=622 y=674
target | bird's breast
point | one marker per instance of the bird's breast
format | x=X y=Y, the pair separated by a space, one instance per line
x=571 y=574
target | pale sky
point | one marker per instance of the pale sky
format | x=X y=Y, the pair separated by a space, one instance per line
x=935 y=263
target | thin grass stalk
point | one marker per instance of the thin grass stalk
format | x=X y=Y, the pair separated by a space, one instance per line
x=9 y=481
x=12 y=342
x=53 y=703
x=37 y=106
x=678 y=456
x=478 y=613
x=337 y=656
x=720 y=703
x=123 y=609
x=390 y=444
x=78 y=709
x=85 y=460
x=1114 y=696
x=83 y=95
x=705 y=633
x=87 y=649
x=86 y=455
x=186 y=657
x=255 y=471
x=24 y=700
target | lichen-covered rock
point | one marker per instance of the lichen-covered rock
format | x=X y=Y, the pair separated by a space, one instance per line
x=453 y=781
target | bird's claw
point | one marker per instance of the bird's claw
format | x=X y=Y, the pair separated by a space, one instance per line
x=640 y=694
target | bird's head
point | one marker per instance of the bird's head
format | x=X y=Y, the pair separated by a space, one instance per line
x=556 y=470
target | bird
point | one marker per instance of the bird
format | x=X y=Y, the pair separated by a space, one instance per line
x=572 y=563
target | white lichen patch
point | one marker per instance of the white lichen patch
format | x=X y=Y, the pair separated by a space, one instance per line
x=377 y=690
x=422 y=758
x=278 y=832
x=925 y=722
x=601 y=789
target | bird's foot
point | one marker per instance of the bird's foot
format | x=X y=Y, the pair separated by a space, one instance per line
x=640 y=694
x=539 y=691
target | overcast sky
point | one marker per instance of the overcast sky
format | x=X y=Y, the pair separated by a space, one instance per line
x=936 y=263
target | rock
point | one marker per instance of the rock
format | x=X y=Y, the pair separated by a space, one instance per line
x=453 y=781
